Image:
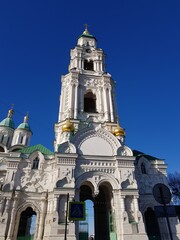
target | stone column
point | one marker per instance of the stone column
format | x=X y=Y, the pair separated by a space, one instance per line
x=136 y=208
x=12 y=219
x=118 y=213
x=76 y=102
x=81 y=99
x=111 y=105
x=105 y=105
x=42 y=220
x=70 y=99
x=61 y=106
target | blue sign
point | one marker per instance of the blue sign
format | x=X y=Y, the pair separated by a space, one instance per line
x=77 y=211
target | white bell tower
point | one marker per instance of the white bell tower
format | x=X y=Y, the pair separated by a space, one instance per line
x=88 y=91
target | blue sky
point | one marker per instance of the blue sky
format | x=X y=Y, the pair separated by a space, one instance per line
x=142 y=41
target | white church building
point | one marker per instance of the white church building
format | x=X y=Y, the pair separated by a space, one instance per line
x=90 y=162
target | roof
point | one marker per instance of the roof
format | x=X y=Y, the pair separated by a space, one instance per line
x=7 y=122
x=37 y=147
x=24 y=126
x=139 y=154
x=87 y=35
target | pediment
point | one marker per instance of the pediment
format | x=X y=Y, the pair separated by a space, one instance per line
x=96 y=141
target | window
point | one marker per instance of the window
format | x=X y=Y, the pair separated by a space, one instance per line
x=2 y=138
x=88 y=65
x=90 y=102
x=143 y=168
x=21 y=140
x=35 y=163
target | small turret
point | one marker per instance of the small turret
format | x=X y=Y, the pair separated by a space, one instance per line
x=7 y=129
x=23 y=133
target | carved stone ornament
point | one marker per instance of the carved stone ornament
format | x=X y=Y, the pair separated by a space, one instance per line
x=124 y=151
x=67 y=147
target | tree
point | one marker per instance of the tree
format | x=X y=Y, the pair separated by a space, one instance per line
x=174 y=183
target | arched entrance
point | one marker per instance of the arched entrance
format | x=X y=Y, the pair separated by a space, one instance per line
x=103 y=218
x=151 y=223
x=27 y=225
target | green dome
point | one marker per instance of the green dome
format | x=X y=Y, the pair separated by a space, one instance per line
x=86 y=34
x=7 y=122
x=24 y=126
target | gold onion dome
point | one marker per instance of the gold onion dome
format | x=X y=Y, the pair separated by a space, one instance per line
x=119 y=131
x=68 y=126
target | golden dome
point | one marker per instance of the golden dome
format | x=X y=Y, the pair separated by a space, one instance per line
x=68 y=126
x=119 y=131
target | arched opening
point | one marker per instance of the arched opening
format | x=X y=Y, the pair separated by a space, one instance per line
x=1 y=149
x=90 y=102
x=88 y=65
x=143 y=168
x=99 y=213
x=151 y=223
x=27 y=224
x=35 y=163
x=86 y=228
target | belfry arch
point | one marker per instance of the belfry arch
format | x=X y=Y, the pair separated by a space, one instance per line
x=90 y=102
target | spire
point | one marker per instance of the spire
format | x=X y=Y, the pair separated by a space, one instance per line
x=86 y=32
x=11 y=111
x=26 y=118
x=25 y=124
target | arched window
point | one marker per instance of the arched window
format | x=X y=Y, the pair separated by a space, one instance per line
x=35 y=163
x=2 y=138
x=143 y=168
x=90 y=102
x=88 y=65
x=21 y=140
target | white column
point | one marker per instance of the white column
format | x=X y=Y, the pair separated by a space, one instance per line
x=12 y=223
x=105 y=105
x=42 y=220
x=81 y=99
x=76 y=102
x=136 y=208
x=110 y=105
x=60 y=107
x=70 y=100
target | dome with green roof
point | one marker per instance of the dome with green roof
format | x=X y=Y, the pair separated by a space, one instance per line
x=25 y=125
x=7 y=122
x=86 y=33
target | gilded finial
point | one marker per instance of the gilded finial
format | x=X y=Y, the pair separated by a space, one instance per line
x=26 y=118
x=86 y=32
x=11 y=111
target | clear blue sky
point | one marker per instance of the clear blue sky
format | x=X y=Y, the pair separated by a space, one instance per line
x=142 y=42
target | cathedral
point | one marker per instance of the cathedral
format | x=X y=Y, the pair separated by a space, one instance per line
x=90 y=162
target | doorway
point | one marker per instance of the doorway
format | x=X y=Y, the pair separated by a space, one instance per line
x=27 y=225
x=101 y=210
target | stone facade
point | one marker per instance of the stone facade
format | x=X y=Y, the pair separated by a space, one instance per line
x=90 y=161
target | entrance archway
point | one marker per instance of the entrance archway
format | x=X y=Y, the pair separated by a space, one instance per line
x=103 y=218
x=27 y=224
x=151 y=223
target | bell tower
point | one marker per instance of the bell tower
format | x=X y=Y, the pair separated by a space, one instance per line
x=88 y=91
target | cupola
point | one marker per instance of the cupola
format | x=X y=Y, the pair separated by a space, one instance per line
x=68 y=126
x=119 y=131
x=8 y=122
